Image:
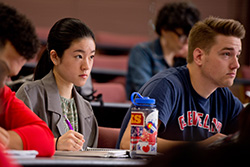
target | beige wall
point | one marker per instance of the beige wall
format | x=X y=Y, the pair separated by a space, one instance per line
x=122 y=16
x=125 y=16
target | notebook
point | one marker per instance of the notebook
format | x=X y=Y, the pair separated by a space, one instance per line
x=21 y=154
x=95 y=152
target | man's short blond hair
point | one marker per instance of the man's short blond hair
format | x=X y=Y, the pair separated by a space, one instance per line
x=203 y=33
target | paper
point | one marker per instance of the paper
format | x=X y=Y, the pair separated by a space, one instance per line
x=21 y=154
x=248 y=93
x=95 y=152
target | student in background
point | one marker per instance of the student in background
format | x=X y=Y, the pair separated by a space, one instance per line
x=173 y=24
x=67 y=61
x=194 y=102
x=20 y=128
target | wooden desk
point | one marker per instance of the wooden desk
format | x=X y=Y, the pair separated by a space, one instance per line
x=81 y=161
x=242 y=81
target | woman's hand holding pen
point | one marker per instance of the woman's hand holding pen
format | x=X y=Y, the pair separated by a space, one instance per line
x=70 y=141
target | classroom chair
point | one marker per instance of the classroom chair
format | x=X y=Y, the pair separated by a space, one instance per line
x=107 y=137
x=111 y=92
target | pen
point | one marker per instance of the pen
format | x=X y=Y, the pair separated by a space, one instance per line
x=70 y=126
x=68 y=123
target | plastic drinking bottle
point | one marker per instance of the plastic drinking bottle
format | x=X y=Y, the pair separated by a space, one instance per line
x=144 y=122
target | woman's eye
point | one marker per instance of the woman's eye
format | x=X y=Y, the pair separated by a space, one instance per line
x=92 y=57
x=79 y=56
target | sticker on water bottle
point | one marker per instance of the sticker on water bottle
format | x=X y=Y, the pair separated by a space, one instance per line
x=144 y=132
x=137 y=118
x=152 y=121
x=146 y=148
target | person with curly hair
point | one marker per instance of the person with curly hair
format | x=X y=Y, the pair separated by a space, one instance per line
x=20 y=128
x=172 y=26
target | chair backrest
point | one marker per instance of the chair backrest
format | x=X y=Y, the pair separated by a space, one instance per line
x=245 y=72
x=114 y=62
x=107 y=137
x=111 y=92
x=116 y=39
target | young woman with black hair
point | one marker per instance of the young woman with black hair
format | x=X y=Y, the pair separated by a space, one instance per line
x=67 y=61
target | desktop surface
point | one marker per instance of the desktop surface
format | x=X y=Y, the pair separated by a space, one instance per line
x=81 y=161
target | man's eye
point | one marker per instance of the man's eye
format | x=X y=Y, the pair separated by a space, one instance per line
x=226 y=54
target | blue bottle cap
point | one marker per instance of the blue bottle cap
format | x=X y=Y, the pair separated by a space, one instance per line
x=141 y=99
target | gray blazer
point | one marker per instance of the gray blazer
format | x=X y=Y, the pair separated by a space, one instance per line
x=42 y=97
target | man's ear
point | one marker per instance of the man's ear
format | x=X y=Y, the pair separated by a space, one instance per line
x=54 y=57
x=198 y=56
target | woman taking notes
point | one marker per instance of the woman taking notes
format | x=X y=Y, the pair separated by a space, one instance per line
x=67 y=61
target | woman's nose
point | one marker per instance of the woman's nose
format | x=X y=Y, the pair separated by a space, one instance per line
x=85 y=65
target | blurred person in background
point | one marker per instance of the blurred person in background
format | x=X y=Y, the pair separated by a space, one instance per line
x=173 y=24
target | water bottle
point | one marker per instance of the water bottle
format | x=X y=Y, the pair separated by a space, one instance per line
x=144 y=123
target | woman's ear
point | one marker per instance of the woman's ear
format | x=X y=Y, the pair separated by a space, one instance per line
x=54 y=57
x=198 y=56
